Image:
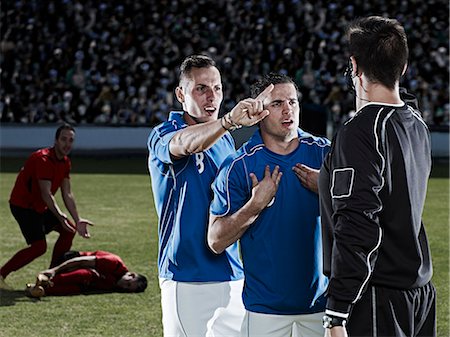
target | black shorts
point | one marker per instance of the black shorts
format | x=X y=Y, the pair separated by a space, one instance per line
x=34 y=225
x=395 y=312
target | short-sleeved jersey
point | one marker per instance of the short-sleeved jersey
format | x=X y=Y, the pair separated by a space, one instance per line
x=281 y=250
x=110 y=268
x=41 y=165
x=372 y=189
x=182 y=194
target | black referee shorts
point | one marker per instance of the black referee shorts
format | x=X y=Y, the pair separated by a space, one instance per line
x=394 y=312
x=34 y=225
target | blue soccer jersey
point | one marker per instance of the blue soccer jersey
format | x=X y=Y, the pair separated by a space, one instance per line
x=281 y=250
x=182 y=194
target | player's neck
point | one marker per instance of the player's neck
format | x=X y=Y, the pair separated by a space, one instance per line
x=59 y=155
x=281 y=146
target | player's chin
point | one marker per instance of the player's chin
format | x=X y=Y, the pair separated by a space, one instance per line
x=66 y=151
x=208 y=118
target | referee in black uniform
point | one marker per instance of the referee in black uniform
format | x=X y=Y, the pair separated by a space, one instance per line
x=372 y=190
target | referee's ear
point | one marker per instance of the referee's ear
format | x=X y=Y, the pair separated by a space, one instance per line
x=404 y=69
x=354 y=67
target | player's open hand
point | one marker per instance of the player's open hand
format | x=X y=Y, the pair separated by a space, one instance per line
x=67 y=224
x=308 y=176
x=44 y=278
x=250 y=111
x=82 y=228
x=263 y=192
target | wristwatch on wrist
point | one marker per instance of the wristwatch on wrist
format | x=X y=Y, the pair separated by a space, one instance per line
x=332 y=321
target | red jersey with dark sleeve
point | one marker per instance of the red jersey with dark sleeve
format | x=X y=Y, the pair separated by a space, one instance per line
x=110 y=268
x=41 y=165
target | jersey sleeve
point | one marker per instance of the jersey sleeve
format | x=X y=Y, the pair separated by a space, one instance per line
x=356 y=179
x=231 y=188
x=159 y=138
x=322 y=149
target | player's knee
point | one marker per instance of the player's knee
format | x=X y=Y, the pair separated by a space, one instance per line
x=67 y=236
x=39 y=247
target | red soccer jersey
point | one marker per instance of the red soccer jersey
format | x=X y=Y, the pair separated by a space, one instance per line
x=41 y=165
x=110 y=268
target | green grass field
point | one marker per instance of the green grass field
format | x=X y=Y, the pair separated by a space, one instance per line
x=120 y=204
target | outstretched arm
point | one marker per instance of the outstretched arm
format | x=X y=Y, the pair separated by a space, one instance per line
x=200 y=137
x=225 y=230
x=79 y=262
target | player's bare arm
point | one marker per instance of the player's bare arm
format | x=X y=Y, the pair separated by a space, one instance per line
x=69 y=202
x=72 y=264
x=225 y=230
x=50 y=201
x=200 y=137
x=308 y=176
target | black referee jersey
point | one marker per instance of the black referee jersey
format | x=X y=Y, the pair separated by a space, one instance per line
x=372 y=189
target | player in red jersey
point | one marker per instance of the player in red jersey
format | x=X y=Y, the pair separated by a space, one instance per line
x=34 y=206
x=87 y=271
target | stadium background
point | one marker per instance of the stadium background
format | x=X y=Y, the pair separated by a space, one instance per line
x=109 y=67
x=115 y=62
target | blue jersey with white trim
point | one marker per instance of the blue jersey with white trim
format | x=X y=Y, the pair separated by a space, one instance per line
x=182 y=194
x=281 y=250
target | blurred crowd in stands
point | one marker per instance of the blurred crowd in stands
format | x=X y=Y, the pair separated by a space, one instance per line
x=115 y=62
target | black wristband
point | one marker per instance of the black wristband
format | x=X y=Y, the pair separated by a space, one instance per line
x=332 y=321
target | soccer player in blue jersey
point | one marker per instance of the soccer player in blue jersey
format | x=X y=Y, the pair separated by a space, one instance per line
x=260 y=200
x=200 y=291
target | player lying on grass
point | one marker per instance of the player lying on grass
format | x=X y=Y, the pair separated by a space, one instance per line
x=84 y=272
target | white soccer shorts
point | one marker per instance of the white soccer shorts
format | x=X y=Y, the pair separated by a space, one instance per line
x=267 y=325
x=199 y=309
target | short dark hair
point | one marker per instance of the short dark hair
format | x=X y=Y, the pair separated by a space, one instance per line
x=195 y=61
x=380 y=48
x=272 y=78
x=65 y=126
x=141 y=283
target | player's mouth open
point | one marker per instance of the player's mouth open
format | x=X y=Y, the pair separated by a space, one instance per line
x=287 y=122
x=210 y=109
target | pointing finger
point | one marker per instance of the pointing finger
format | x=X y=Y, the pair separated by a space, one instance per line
x=262 y=96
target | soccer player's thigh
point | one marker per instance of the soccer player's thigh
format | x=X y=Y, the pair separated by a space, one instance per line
x=309 y=325
x=187 y=307
x=267 y=325
x=227 y=320
x=30 y=222
x=51 y=223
